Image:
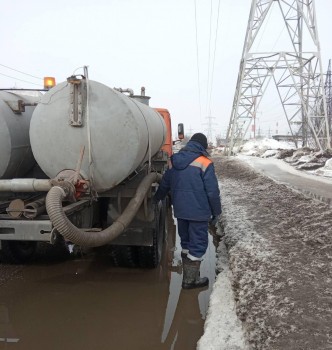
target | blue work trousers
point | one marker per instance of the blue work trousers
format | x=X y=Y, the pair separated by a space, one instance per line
x=194 y=236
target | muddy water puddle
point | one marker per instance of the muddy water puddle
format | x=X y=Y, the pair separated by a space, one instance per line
x=89 y=304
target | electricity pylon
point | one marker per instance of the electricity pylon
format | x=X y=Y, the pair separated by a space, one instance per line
x=328 y=94
x=297 y=75
x=209 y=130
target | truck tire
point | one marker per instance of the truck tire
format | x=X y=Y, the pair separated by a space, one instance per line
x=52 y=252
x=124 y=256
x=18 y=252
x=149 y=257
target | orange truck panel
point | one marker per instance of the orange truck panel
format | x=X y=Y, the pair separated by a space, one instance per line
x=167 y=119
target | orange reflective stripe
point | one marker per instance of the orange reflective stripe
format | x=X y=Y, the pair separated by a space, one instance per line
x=204 y=160
x=201 y=162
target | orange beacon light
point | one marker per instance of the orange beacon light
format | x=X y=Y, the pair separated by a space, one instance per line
x=49 y=82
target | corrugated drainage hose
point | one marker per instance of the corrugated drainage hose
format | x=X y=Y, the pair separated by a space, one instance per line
x=75 y=235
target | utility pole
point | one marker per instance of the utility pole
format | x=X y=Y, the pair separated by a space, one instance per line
x=296 y=73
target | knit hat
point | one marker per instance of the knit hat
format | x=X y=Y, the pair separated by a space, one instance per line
x=200 y=138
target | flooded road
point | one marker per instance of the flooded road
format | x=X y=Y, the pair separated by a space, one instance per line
x=88 y=304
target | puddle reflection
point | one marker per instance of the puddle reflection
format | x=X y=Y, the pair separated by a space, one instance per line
x=7 y=332
x=186 y=309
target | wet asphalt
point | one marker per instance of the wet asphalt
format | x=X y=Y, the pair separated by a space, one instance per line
x=316 y=187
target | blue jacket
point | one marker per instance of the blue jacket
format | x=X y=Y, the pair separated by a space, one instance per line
x=193 y=184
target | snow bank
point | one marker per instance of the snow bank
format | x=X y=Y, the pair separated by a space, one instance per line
x=325 y=171
x=304 y=159
x=222 y=329
x=259 y=147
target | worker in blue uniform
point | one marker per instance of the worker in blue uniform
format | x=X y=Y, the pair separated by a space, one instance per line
x=195 y=195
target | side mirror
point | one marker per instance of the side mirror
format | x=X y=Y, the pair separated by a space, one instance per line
x=180 y=131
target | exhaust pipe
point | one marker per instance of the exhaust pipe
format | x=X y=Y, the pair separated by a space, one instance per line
x=77 y=236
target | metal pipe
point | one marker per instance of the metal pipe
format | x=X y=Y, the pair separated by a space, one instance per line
x=130 y=91
x=15 y=208
x=25 y=185
x=14 y=89
x=33 y=209
x=75 y=235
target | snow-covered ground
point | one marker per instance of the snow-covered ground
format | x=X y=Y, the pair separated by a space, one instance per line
x=222 y=329
x=253 y=304
x=264 y=147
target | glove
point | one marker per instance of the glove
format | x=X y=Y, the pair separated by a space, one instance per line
x=214 y=219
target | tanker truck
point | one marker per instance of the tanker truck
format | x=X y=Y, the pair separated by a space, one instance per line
x=102 y=152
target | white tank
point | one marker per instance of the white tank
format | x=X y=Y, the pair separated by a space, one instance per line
x=123 y=132
x=16 y=157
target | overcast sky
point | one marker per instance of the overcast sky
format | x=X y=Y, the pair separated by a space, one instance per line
x=151 y=43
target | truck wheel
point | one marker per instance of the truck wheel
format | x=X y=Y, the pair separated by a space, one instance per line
x=18 y=252
x=52 y=252
x=124 y=256
x=149 y=257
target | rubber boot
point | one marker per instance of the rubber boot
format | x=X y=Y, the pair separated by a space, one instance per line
x=191 y=277
x=184 y=253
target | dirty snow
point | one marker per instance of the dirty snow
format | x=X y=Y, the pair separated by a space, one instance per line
x=222 y=329
x=253 y=146
x=274 y=285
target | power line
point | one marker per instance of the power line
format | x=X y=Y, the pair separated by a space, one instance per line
x=209 y=55
x=16 y=70
x=214 y=55
x=264 y=29
x=198 y=75
x=25 y=81
x=282 y=30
